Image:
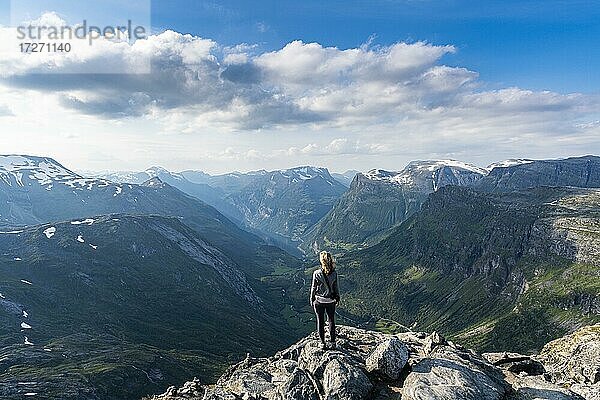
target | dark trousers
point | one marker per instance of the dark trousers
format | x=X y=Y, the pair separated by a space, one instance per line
x=320 y=310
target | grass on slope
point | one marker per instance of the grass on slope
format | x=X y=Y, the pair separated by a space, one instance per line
x=559 y=297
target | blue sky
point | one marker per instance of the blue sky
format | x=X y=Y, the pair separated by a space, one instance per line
x=245 y=85
x=535 y=44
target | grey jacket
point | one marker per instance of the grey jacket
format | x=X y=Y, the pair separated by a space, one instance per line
x=319 y=288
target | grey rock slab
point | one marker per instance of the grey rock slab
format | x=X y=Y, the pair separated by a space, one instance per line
x=574 y=357
x=536 y=388
x=441 y=378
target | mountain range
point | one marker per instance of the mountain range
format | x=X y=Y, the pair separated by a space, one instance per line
x=277 y=205
x=379 y=200
x=92 y=268
x=118 y=285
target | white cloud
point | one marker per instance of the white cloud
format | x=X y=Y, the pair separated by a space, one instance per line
x=232 y=88
x=376 y=103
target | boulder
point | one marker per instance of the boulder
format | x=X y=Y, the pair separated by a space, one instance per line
x=342 y=381
x=433 y=340
x=388 y=358
x=588 y=392
x=451 y=373
x=438 y=378
x=298 y=385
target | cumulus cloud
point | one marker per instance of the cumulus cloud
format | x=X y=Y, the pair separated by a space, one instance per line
x=185 y=75
x=301 y=83
x=369 y=99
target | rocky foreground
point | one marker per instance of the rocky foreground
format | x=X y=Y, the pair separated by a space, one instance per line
x=408 y=366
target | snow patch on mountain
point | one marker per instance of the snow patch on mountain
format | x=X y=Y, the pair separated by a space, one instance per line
x=509 y=163
x=434 y=165
x=428 y=174
x=87 y=221
x=382 y=175
x=155 y=171
x=135 y=177
x=50 y=232
x=19 y=170
x=305 y=173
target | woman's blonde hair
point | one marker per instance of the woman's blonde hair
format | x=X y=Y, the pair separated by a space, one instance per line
x=326 y=262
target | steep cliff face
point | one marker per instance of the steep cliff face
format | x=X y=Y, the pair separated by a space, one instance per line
x=415 y=366
x=572 y=229
x=379 y=200
x=581 y=172
x=486 y=267
x=368 y=207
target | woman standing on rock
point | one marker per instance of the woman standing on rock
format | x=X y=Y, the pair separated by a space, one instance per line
x=324 y=296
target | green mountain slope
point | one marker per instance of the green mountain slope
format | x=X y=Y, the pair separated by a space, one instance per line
x=470 y=263
x=36 y=190
x=122 y=306
x=379 y=200
x=369 y=207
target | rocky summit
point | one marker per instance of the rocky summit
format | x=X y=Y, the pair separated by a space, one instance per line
x=409 y=366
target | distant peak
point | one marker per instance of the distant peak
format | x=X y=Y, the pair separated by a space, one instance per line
x=157 y=169
x=380 y=174
x=45 y=171
x=154 y=182
x=419 y=167
x=429 y=175
x=433 y=165
x=306 y=172
x=306 y=169
x=36 y=167
x=21 y=160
